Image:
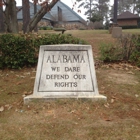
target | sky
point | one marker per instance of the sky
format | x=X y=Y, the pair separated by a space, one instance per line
x=70 y=4
x=82 y=14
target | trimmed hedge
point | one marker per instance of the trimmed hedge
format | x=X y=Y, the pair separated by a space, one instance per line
x=130 y=27
x=46 y=28
x=17 y=51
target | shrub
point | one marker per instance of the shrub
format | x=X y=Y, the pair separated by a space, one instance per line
x=49 y=27
x=46 y=28
x=17 y=51
x=127 y=48
x=135 y=58
x=127 y=45
x=130 y=27
x=109 y=53
x=82 y=28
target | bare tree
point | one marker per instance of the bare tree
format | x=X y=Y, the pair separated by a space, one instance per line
x=35 y=11
x=26 y=14
x=10 y=16
x=46 y=7
x=99 y=7
x=1 y=17
x=88 y=5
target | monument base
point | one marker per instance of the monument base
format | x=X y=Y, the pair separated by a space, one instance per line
x=117 y=32
x=34 y=98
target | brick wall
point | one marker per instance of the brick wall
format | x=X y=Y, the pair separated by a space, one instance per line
x=131 y=22
x=67 y=25
x=71 y=26
x=44 y=23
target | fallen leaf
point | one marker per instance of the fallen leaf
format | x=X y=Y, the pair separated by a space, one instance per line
x=107 y=119
x=112 y=100
x=113 y=97
x=75 y=123
x=130 y=72
x=25 y=93
x=50 y=113
x=23 y=96
x=30 y=92
x=27 y=73
x=1 y=109
x=12 y=93
x=19 y=83
x=107 y=106
x=101 y=92
x=126 y=69
x=10 y=107
x=21 y=111
x=73 y=111
x=7 y=105
x=136 y=95
x=32 y=78
x=22 y=76
x=12 y=71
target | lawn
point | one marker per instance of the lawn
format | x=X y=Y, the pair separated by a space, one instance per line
x=68 y=119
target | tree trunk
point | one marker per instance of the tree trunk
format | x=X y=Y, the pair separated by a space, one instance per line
x=1 y=18
x=90 y=14
x=115 y=11
x=11 y=17
x=39 y=15
x=26 y=14
x=35 y=11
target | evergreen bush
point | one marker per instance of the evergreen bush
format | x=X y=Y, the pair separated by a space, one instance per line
x=17 y=51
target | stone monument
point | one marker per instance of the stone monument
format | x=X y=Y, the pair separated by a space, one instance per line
x=116 y=30
x=65 y=71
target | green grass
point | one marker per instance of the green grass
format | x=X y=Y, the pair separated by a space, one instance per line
x=133 y=31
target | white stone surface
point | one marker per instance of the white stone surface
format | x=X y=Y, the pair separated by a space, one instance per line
x=65 y=71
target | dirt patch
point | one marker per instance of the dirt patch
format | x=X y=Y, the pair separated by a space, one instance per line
x=123 y=78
